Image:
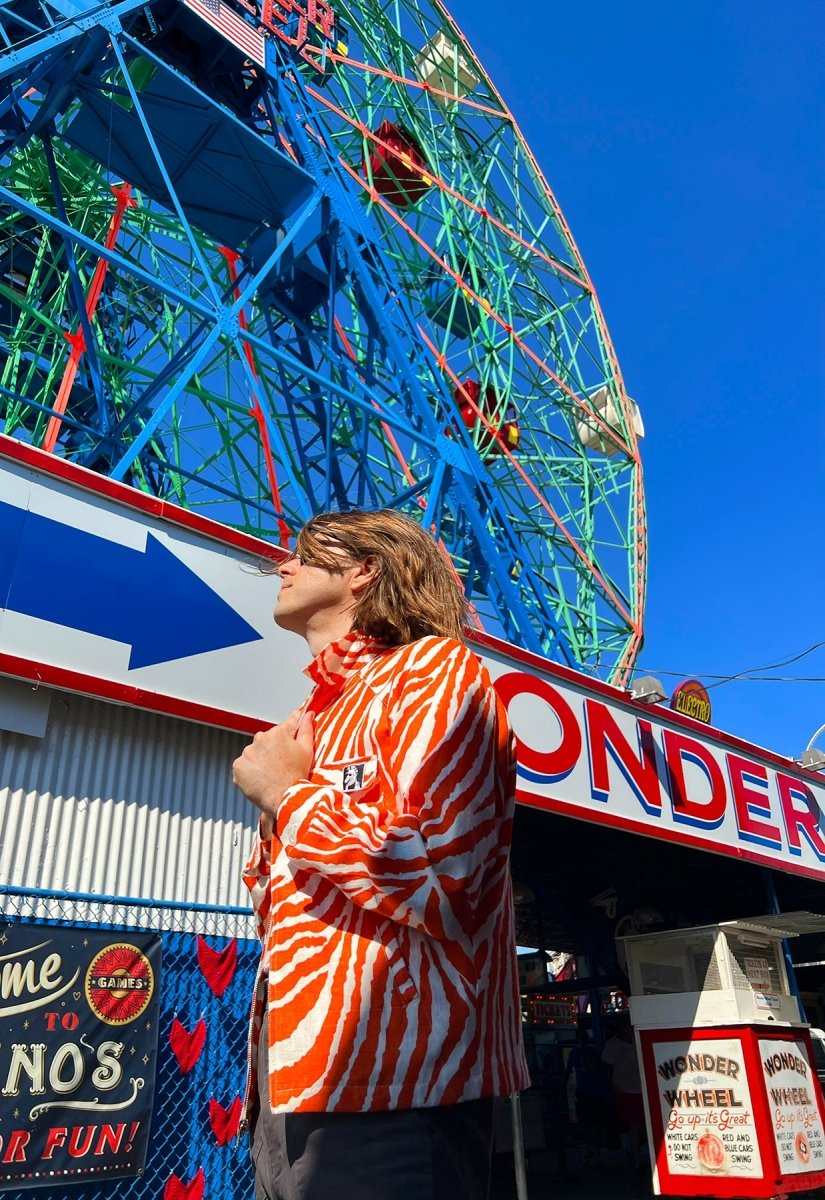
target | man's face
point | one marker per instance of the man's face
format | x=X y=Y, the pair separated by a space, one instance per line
x=312 y=597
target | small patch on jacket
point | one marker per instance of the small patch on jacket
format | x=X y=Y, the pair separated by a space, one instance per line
x=352 y=777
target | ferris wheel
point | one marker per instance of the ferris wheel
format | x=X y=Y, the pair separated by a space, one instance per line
x=269 y=257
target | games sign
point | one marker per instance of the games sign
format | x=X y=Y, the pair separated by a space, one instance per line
x=78 y=1049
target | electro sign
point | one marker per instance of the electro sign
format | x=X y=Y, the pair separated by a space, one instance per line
x=692 y=700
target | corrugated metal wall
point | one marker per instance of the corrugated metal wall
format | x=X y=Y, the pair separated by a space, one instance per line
x=115 y=800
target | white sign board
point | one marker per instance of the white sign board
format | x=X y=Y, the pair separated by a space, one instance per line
x=102 y=597
x=795 y=1117
x=707 y=1114
x=586 y=751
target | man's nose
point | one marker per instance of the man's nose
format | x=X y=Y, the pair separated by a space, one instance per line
x=288 y=566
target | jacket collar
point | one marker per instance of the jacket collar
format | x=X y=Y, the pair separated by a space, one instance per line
x=338 y=660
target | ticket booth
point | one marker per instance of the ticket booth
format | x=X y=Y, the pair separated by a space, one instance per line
x=732 y=1102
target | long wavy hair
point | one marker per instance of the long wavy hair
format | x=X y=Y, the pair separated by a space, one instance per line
x=416 y=592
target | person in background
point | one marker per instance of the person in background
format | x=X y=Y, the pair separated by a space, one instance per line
x=590 y=1077
x=619 y=1054
x=386 y=1013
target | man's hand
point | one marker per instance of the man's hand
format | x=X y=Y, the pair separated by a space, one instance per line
x=272 y=762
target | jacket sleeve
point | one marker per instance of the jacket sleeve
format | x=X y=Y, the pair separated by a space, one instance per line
x=256 y=878
x=420 y=845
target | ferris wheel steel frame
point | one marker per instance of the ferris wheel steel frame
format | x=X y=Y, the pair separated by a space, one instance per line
x=351 y=400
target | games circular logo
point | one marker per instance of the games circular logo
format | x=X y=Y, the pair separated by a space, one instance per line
x=119 y=984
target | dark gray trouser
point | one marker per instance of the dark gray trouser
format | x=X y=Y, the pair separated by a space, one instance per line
x=438 y=1153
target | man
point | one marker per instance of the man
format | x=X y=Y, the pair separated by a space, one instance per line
x=387 y=1014
x=619 y=1055
x=590 y=1072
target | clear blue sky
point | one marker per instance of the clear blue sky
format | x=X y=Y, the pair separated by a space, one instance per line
x=685 y=146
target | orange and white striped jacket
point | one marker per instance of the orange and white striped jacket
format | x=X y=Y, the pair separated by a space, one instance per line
x=384 y=900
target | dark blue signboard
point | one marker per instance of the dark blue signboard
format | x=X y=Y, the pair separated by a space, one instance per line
x=78 y=1052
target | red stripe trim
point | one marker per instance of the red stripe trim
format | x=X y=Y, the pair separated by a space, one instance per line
x=123 y=693
x=122 y=493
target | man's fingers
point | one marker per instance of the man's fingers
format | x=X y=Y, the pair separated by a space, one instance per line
x=290 y=723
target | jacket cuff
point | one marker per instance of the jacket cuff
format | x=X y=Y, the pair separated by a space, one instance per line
x=260 y=859
x=296 y=811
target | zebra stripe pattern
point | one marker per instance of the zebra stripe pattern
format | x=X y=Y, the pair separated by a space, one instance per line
x=384 y=901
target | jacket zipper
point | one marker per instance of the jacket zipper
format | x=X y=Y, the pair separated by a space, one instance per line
x=263 y=973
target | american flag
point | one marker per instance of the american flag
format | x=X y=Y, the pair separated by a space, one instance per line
x=231 y=26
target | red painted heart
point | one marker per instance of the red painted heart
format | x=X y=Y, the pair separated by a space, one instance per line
x=217 y=966
x=187 y=1046
x=224 y=1121
x=176 y=1189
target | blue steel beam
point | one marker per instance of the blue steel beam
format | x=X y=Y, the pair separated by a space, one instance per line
x=451 y=474
x=18 y=58
x=371 y=403
x=226 y=322
x=511 y=606
x=161 y=165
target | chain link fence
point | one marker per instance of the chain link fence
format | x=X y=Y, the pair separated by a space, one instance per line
x=184 y=1138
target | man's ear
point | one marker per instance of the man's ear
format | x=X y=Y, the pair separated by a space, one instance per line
x=365 y=573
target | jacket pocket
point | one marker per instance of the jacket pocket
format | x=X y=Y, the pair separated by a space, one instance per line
x=404 y=985
x=357 y=776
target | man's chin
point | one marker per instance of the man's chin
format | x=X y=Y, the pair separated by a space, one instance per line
x=287 y=620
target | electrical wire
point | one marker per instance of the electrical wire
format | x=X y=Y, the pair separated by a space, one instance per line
x=776 y=679
x=747 y=676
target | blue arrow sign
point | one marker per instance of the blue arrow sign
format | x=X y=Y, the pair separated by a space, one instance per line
x=147 y=598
